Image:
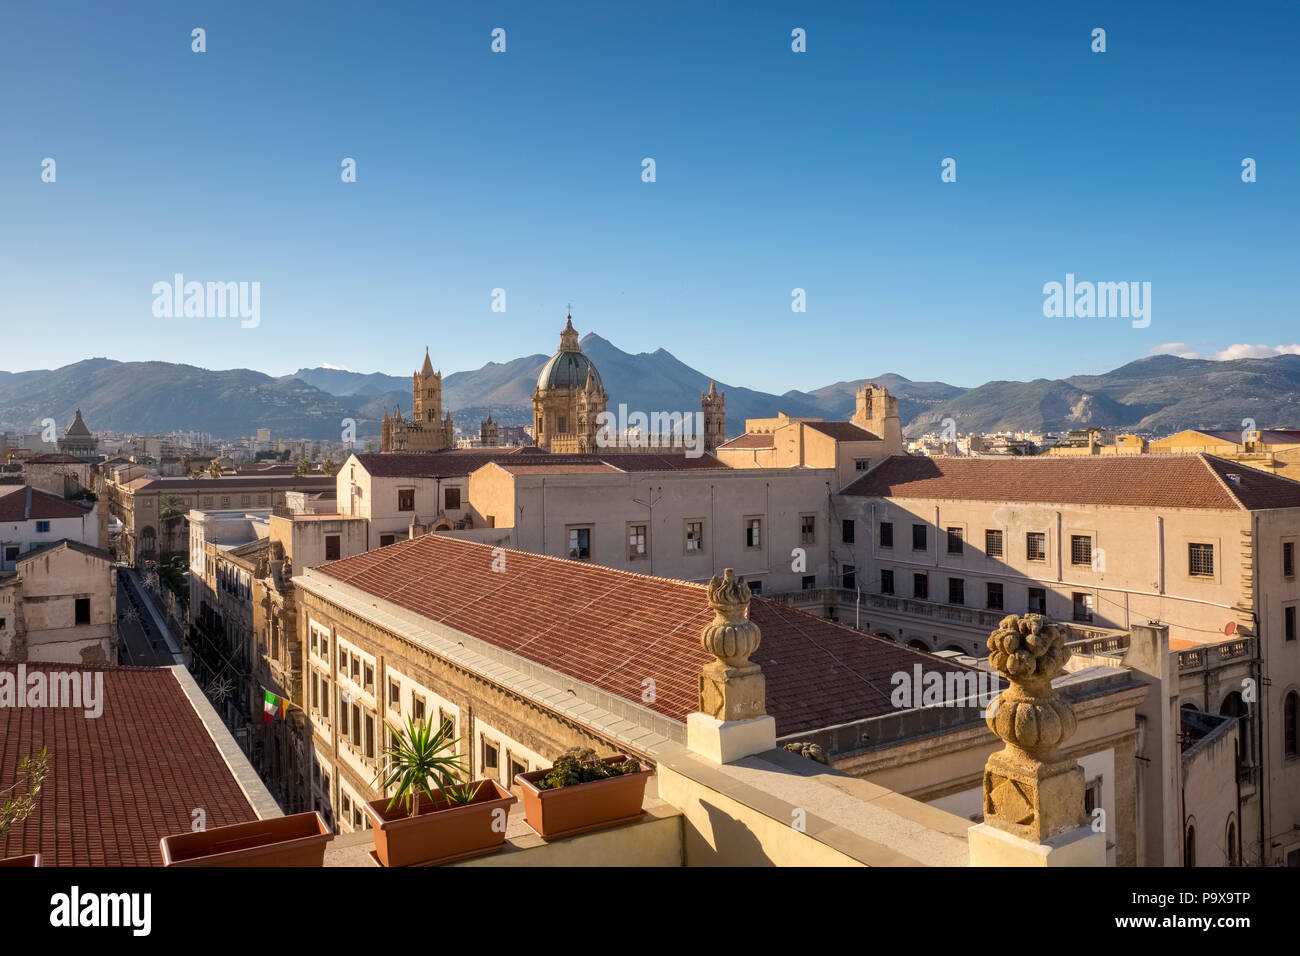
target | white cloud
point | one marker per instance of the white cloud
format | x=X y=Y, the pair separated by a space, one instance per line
x=1237 y=351
x=337 y=368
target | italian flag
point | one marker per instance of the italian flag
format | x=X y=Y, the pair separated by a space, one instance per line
x=271 y=706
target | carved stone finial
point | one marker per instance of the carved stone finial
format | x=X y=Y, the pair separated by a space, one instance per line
x=731 y=687
x=1028 y=790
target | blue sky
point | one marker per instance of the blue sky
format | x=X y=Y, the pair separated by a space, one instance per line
x=775 y=170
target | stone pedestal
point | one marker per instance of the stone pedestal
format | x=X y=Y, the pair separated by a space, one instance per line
x=724 y=741
x=992 y=846
x=1031 y=799
x=732 y=693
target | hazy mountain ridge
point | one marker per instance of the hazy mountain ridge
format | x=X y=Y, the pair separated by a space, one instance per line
x=1159 y=394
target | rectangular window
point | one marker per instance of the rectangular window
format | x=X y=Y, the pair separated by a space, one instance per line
x=83 y=610
x=580 y=543
x=11 y=553
x=755 y=587
x=636 y=543
x=356 y=669
x=394 y=694
x=846 y=530
x=445 y=722
x=1081 y=549
x=406 y=499
x=694 y=537
x=370 y=736
x=861 y=464
x=450 y=499
x=332 y=547
x=886 y=534
x=417 y=705
x=954 y=541
x=956 y=591
x=490 y=757
x=225 y=501
x=807 y=529
x=343 y=717
x=809 y=582
x=887 y=581
x=1288 y=559
x=386 y=539
x=848 y=577
x=753 y=533
x=920 y=540
x=325 y=698
x=356 y=725
x=261 y=501
x=42 y=527
x=1200 y=560
x=368 y=678
x=516 y=768
x=1036 y=545
x=1037 y=601
x=921 y=587
x=315 y=692
x=1288 y=618
x=1082 y=607
x=993 y=596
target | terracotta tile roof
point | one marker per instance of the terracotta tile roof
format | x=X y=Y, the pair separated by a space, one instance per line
x=844 y=431
x=545 y=468
x=650 y=461
x=56 y=460
x=228 y=483
x=749 y=440
x=613 y=629
x=1147 y=481
x=119 y=782
x=1268 y=436
x=452 y=465
x=29 y=504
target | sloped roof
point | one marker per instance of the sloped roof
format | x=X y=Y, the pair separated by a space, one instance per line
x=119 y=782
x=613 y=629
x=29 y=504
x=1148 y=481
x=843 y=431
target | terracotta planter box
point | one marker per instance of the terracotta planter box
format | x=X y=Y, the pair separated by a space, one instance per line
x=297 y=840
x=31 y=859
x=442 y=831
x=584 y=806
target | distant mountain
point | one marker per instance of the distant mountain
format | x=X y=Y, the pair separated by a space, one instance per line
x=1160 y=394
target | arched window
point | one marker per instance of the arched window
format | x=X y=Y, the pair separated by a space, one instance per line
x=1189 y=849
x=1234 y=706
x=1232 y=843
x=1290 y=731
x=919 y=645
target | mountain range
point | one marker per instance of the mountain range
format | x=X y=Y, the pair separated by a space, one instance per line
x=1159 y=394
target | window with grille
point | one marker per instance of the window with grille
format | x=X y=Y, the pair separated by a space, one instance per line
x=993 y=596
x=921 y=587
x=1081 y=549
x=1036 y=545
x=406 y=499
x=807 y=529
x=1288 y=559
x=956 y=591
x=919 y=542
x=886 y=534
x=1200 y=560
x=954 y=540
x=451 y=499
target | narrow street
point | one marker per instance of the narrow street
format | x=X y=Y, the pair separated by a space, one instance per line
x=142 y=637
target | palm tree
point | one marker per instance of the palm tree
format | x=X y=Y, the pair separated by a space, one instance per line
x=215 y=469
x=329 y=467
x=303 y=469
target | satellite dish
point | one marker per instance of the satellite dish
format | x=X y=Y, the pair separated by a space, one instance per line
x=1230 y=628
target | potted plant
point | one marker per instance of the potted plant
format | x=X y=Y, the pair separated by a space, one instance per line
x=582 y=792
x=296 y=840
x=435 y=815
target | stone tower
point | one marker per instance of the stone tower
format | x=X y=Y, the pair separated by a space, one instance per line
x=714 y=406
x=428 y=429
x=877 y=411
x=489 y=434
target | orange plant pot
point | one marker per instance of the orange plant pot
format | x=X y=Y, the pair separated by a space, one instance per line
x=296 y=840
x=30 y=860
x=441 y=831
x=582 y=807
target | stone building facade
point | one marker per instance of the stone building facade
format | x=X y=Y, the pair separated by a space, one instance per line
x=428 y=429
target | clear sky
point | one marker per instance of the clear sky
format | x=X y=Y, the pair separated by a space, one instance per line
x=775 y=170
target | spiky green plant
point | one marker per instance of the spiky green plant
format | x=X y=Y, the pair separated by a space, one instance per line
x=15 y=809
x=418 y=755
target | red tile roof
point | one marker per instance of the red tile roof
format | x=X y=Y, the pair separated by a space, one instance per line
x=458 y=464
x=545 y=468
x=225 y=483
x=749 y=440
x=1145 y=481
x=29 y=504
x=442 y=464
x=1267 y=436
x=844 y=431
x=119 y=782
x=613 y=629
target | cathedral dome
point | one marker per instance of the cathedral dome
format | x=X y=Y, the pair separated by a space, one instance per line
x=567 y=370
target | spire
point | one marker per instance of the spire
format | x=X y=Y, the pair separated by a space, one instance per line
x=569 y=337
x=385 y=413
x=427 y=368
x=713 y=389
